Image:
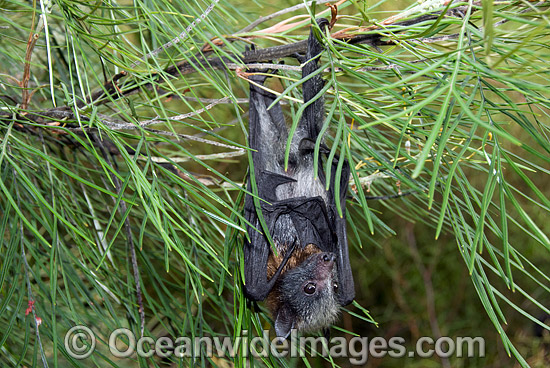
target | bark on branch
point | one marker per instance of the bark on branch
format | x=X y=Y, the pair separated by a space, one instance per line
x=111 y=90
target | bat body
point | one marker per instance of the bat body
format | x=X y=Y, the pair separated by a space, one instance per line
x=309 y=277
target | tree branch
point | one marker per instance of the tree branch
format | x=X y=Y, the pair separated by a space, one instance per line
x=111 y=90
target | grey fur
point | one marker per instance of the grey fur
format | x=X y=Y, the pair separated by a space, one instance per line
x=320 y=309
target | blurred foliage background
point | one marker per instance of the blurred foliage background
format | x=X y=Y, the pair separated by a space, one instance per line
x=123 y=158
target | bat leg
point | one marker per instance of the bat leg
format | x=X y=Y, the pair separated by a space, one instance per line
x=300 y=57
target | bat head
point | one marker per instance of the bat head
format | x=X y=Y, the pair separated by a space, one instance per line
x=307 y=295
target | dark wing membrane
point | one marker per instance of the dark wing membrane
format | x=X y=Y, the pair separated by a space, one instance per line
x=267 y=129
x=346 y=291
x=310 y=218
x=308 y=221
x=256 y=251
x=313 y=116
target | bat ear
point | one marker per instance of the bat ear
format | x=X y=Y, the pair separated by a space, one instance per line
x=284 y=323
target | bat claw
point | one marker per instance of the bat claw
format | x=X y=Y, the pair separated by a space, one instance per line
x=300 y=57
x=250 y=48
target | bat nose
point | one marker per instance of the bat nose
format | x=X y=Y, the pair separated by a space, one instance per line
x=328 y=257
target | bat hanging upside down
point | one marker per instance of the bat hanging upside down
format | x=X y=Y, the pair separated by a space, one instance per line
x=310 y=278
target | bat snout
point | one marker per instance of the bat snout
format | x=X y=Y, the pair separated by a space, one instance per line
x=325 y=262
x=328 y=257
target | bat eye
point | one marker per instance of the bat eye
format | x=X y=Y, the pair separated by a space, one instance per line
x=335 y=287
x=309 y=288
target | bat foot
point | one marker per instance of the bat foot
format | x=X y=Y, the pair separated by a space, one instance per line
x=300 y=57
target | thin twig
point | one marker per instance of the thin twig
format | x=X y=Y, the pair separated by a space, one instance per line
x=101 y=243
x=497 y=24
x=129 y=238
x=32 y=300
x=212 y=100
x=183 y=35
x=213 y=156
x=219 y=129
x=531 y=7
x=50 y=118
x=135 y=267
x=388 y=67
x=437 y=38
x=31 y=43
x=191 y=137
x=27 y=268
x=261 y=20
x=273 y=66
x=185 y=116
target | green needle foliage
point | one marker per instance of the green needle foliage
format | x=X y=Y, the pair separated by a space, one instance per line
x=123 y=165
